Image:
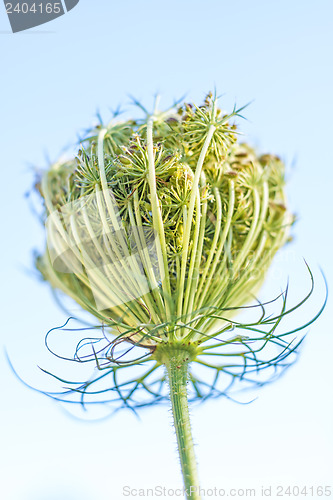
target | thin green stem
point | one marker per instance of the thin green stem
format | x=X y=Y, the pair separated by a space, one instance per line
x=188 y=226
x=151 y=274
x=195 y=249
x=176 y=360
x=194 y=285
x=157 y=218
x=207 y=283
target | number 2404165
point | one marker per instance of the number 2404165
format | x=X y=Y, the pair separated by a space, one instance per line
x=35 y=8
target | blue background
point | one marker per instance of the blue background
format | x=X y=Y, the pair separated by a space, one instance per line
x=54 y=79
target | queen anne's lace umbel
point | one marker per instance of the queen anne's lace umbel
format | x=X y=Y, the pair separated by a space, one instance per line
x=163 y=228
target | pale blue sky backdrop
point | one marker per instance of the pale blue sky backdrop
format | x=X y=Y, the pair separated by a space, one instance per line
x=53 y=80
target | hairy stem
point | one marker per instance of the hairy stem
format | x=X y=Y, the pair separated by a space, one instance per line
x=176 y=361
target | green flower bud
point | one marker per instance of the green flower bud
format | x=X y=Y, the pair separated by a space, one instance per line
x=194 y=200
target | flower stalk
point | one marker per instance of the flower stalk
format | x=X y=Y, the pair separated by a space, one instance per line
x=176 y=359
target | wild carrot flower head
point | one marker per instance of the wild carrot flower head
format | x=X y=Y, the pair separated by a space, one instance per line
x=162 y=228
